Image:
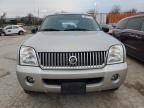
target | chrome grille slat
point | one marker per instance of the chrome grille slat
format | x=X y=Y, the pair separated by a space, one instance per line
x=40 y=58
x=50 y=59
x=81 y=59
x=63 y=59
x=87 y=56
x=75 y=54
x=90 y=58
x=60 y=60
x=96 y=60
x=78 y=58
x=94 y=56
x=43 y=59
x=99 y=58
x=46 y=59
x=55 y=57
x=67 y=59
x=84 y=59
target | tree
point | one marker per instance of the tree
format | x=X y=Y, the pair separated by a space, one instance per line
x=30 y=16
x=116 y=9
x=133 y=10
x=3 y=18
x=30 y=19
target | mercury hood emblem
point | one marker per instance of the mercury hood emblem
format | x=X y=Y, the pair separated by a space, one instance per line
x=73 y=60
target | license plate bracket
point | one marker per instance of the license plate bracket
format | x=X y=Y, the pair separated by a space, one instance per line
x=73 y=88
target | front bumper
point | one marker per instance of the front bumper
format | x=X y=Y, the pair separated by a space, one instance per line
x=38 y=74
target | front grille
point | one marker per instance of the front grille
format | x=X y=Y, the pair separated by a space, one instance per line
x=60 y=60
x=60 y=81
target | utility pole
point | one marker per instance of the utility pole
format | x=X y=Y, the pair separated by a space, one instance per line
x=34 y=3
x=38 y=12
x=95 y=10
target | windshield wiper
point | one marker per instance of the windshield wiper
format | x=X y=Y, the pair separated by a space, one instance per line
x=50 y=29
x=76 y=29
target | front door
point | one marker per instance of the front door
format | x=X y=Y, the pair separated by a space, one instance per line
x=8 y=30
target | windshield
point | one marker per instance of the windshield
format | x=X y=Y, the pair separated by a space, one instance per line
x=69 y=23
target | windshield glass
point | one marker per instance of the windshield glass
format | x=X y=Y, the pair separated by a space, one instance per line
x=69 y=23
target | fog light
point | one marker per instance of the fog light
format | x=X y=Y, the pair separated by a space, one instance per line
x=30 y=79
x=115 y=77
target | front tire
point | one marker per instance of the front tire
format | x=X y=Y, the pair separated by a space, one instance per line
x=21 y=33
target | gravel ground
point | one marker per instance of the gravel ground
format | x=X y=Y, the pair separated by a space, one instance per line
x=130 y=94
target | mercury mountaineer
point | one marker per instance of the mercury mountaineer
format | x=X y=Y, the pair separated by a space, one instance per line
x=71 y=54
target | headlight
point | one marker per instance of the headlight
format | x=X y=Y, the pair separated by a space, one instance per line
x=28 y=56
x=116 y=54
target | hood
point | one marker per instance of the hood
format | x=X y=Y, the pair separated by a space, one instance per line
x=71 y=41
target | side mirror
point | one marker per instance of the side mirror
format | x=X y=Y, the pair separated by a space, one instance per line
x=105 y=29
x=34 y=30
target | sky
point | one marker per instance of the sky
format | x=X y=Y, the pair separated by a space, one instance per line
x=15 y=8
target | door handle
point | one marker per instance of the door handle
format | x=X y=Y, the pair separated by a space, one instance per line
x=138 y=37
x=132 y=35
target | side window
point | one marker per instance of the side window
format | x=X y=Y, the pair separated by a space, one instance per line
x=10 y=27
x=142 y=28
x=15 y=27
x=122 y=24
x=135 y=23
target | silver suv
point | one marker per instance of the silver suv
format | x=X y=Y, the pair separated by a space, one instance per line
x=71 y=54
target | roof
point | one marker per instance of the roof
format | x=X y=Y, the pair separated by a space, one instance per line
x=142 y=15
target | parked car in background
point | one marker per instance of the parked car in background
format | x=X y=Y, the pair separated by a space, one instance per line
x=1 y=32
x=71 y=54
x=130 y=31
x=13 y=29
